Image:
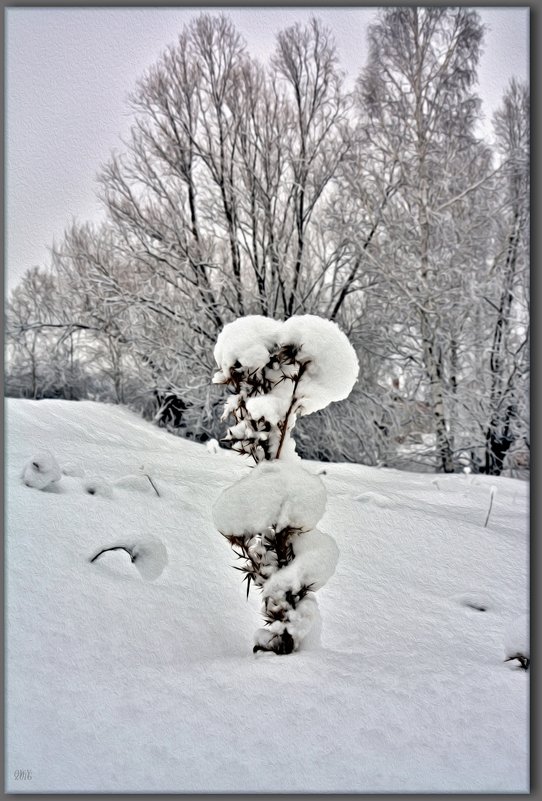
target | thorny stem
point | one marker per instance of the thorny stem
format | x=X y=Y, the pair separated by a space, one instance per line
x=280 y=544
x=291 y=406
x=277 y=547
x=282 y=547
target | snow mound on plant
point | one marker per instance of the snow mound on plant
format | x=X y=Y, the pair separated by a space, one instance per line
x=274 y=494
x=271 y=407
x=246 y=342
x=298 y=621
x=148 y=554
x=115 y=563
x=331 y=363
x=316 y=557
x=41 y=470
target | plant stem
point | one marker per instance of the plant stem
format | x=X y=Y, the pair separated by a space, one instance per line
x=291 y=406
x=490 y=505
x=152 y=484
x=115 y=548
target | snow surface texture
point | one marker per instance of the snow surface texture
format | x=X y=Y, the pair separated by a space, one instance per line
x=118 y=684
x=279 y=370
x=517 y=638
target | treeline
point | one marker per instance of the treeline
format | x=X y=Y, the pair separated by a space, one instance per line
x=271 y=189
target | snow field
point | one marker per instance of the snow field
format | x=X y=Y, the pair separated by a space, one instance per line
x=126 y=681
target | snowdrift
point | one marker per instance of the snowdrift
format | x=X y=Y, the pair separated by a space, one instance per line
x=137 y=676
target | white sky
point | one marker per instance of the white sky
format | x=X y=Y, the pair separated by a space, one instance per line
x=69 y=70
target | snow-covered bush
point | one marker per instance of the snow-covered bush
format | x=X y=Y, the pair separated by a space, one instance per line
x=279 y=371
x=41 y=471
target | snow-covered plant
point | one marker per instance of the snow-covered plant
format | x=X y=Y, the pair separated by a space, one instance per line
x=149 y=555
x=41 y=471
x=279 y=371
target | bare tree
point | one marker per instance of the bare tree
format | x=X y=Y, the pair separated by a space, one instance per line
x=419 y=113
x=246 y=188
x=507 y=293
x=306 y=60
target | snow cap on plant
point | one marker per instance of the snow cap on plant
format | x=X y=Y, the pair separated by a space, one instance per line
x=280 y=370
x=330 y=364
x=274 y=494
x=246 y=342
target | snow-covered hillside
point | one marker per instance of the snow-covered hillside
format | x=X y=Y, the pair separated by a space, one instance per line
x=140 y=677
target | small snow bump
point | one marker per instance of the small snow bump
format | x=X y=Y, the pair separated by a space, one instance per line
x=138 y=483
x=41 y=471
x=73 y=470
x=262 y=654
x=212 y=446
x=116 y=560
x=474 y=601
x=97 y=486
x=373 y=497
x=148 y=555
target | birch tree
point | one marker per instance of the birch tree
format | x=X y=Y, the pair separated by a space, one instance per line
x=508 y=287
x=416 y=95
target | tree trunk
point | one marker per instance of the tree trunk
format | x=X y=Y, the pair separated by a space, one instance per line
x=498 y=437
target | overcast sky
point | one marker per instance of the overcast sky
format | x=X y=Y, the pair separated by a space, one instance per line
x=69 y=70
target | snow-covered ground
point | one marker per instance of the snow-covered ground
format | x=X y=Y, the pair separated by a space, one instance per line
x=140 y=677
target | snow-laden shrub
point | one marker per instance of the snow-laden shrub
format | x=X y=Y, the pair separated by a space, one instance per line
x=279 y=371
x=41 y=471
